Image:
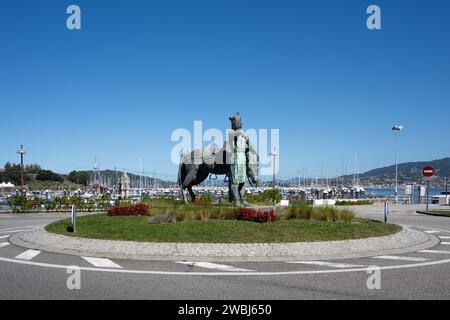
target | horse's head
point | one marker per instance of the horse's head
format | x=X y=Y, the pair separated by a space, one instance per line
x=253 y=166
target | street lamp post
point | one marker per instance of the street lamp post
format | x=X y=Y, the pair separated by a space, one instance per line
x=396 y=130
x=274 y=154
x=21 y=151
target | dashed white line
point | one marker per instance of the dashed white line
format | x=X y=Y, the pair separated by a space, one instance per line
x=414 y=259
x=445 y=243
x=442 y=237
x=11 y=231
x=328 y=264
x=157 y=272
x=209 y=265
x=4 y=244
x=102 y=263
x=435 y=251
x=432 y=231
x=28 y=255
x=4 y=237
x=21 y=227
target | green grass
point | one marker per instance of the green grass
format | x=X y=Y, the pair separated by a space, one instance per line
x=221 y=231
x=441 y=212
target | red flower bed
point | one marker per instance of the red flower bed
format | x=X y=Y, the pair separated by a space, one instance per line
x=130 y=210
x=260 y=216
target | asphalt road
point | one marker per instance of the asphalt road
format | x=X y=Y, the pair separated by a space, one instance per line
x=418 y=275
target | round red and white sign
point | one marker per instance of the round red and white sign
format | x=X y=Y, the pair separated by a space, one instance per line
x=428 y=171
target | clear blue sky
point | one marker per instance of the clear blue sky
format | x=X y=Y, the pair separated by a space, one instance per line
x=140 y=69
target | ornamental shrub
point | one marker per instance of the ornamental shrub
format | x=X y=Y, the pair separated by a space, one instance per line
x=129 y=210
x=259 y=216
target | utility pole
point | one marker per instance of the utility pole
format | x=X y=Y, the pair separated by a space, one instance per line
x=21 y=151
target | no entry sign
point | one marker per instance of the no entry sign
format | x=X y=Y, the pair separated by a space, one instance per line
x=428 y=171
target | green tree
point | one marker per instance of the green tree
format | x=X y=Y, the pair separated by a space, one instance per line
x=47 y=175
x=79 y=177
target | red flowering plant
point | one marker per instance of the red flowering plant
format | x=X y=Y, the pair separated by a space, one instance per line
x=259 y=216
x=139 y=209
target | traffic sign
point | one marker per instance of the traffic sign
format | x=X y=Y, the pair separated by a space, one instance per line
x=428 y=171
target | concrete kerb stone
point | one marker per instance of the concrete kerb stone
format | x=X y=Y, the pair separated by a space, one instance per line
x=407 y=240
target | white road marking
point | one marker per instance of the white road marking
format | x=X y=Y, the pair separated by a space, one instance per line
x=4 y=244
x=401 y=258
x=209 y=265
x=445 y=243
x=4 y=237
x=102 y=263
x=447 y=231
x=432 y=231
x=28 y=255
x=328 y=264
x=11 y=231
x=435 y=251
x=156 y=272
x=21 y=227
x=442 y=237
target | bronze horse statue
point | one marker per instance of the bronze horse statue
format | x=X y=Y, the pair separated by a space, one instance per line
x=196 y=166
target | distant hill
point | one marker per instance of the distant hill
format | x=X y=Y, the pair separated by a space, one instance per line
x=408 y=173
x=110 y=177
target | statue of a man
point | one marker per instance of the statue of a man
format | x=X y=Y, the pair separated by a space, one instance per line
x=125 y=184
x=239 y=145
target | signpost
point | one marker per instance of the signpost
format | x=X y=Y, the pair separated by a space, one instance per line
x=73 y=217
x=428 y=173
x=386 y=211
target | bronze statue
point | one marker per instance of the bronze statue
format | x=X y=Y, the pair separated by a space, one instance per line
x=238 y=160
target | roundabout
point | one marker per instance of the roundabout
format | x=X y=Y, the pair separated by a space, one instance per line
x=175 y=278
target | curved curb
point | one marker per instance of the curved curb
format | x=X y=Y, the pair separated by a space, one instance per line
x=407 y=240
x=433 y=214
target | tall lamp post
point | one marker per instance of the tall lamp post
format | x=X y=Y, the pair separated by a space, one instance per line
x=21 y=151
x=274 y=154
x=396 y=130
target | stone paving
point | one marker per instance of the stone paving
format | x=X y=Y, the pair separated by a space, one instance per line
x=408 y=240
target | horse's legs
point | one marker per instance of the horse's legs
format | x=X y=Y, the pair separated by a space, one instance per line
x=187 y=183
x=191 y=193
x=183 y=194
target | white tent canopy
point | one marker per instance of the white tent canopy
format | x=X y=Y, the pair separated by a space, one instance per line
x=6 y=185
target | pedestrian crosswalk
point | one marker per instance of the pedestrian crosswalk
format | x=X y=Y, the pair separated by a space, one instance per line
x=4 y=244
x=209 y=265
x=402 y=258
x=4 y=237
x=328 y=264
x=102 y=263
x=28 y=255
x=435 y=251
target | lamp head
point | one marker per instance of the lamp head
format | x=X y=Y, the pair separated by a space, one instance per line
x=397 y=128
